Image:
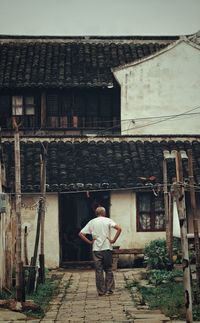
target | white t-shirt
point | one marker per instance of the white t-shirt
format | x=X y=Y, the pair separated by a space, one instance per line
x=100 y=229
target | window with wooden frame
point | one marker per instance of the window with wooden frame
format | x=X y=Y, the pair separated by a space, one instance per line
x=150 y=212
x=23 y=107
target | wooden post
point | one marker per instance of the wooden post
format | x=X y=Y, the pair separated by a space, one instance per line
x=43 y=110
x=19 y=265
x=8 y=247
x=180 y=202
x=6 y=238
x=43 y=206
x=1 y=235
x=166 y=203
x=25 y=246
x=171 y=215
x=194 y=216
x=32 y=271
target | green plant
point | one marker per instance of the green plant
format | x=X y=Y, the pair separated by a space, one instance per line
x=169 y=298
x=155 y=254
x=6 y=295
x=157 y=277
x=42 y=297
x=132 y=283
x=43 y=294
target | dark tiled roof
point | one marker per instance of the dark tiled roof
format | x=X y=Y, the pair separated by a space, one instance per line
x=43 y=64
x=97 y=165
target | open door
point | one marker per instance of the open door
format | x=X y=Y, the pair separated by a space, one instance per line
x=75 y=210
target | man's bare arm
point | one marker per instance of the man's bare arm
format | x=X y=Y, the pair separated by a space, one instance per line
x=117 y=234
x=84 y=238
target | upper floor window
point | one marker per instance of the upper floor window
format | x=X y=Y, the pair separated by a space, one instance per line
x=150 y=212
x=84 y=109
x=96 y=108
x=23 y=105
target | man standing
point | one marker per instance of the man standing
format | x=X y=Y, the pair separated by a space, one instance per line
x=100 y=229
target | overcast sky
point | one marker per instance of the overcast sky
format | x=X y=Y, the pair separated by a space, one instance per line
x=99 y=17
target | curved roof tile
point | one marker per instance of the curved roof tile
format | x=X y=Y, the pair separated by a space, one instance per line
x=95 y=165
x=46 y=64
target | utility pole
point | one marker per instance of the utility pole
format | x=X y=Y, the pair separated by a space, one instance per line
x=194 y=216
x=180 y=202
x=19 y=263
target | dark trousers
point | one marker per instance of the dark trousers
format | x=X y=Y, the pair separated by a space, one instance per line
x=103 y=263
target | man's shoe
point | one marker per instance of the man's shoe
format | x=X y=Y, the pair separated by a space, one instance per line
x=109 y=292
x=101 y=294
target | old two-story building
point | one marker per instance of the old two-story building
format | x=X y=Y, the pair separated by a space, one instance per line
x=104 y=109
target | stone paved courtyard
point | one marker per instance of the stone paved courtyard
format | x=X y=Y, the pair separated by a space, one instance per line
x=77 y=301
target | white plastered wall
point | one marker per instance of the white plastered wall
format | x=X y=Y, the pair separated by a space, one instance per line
x=164 y=85
x=123 y=212
x=29 y=219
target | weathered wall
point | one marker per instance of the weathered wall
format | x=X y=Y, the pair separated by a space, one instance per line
x=123 y=212
x=29 y=219
x=166 y=84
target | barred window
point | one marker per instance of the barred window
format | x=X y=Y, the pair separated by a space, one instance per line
x=52 y=105
x=82 y=108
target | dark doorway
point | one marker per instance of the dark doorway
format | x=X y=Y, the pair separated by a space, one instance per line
x=75 y=210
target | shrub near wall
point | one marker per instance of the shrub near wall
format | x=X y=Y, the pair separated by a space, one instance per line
x=155 y=254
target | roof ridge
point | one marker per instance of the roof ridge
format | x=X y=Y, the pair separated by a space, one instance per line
x=86 y=39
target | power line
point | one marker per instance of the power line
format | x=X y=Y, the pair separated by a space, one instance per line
x=143 y=118
x=186 y=113
x=166 y=118
x=156 y=122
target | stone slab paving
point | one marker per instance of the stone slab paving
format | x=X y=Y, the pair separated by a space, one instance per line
x=78 y=301
x=10 y=316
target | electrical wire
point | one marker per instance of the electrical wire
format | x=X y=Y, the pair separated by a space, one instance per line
x=153 y=123
x=139 y=118
x=186 y=113
x=166 y=118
